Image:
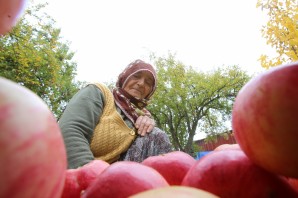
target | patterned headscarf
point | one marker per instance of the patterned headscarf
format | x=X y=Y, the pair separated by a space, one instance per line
x=131 y=106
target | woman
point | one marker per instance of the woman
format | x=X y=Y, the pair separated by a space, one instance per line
x=112 y=126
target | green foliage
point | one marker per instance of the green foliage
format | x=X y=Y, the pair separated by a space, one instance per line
x=281 y=31
x=187 y=101
x=34 y=56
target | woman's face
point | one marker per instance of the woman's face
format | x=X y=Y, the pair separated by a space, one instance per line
x=140 y=84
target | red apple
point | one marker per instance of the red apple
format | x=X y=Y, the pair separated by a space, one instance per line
x=227 y=147
x=294 y=183
x=10 y=11
x=172 y=166
x=231 y=174
x=174 y=191
x=89 y=172
x=77 y=180
x=264 y=119
x=33 y=156
x=71 y=185
x=123 y=179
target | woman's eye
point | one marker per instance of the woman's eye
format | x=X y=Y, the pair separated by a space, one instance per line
x=149 y=82
x=136 y=76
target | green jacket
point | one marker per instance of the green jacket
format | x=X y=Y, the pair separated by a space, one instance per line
x=79 y=121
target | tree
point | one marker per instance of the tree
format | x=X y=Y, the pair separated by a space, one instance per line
x=187 y=101
x=34 y=56
x=281 y=31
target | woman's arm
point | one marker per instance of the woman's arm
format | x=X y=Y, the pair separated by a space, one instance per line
x=78 y=122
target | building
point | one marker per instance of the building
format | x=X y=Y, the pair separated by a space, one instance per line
x=209 y=144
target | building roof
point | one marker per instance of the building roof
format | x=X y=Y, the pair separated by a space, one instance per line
x=210 y=143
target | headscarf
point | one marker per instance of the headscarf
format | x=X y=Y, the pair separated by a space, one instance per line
x=131 y=106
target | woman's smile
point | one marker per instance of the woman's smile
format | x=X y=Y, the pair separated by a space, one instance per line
x=136 y=93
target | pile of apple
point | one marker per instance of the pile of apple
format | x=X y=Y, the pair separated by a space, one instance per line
x=263 y=164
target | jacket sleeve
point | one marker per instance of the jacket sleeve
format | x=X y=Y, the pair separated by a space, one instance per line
x=78 y=122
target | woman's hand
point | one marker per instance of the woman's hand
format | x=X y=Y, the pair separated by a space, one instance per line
x=144 y=124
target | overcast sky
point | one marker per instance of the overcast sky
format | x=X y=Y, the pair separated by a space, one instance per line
x=107 y=35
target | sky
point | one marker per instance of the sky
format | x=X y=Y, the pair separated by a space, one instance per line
x=107 y=35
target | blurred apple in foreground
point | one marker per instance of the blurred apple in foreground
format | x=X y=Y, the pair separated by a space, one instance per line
x=123 y=179
x=227 y=147
x=77 y=180
x=10 y=11
x=294 y=183
x=264 y=119
x=231 y=174
x=175 y=191
x=32 y=154
x=172 y=166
